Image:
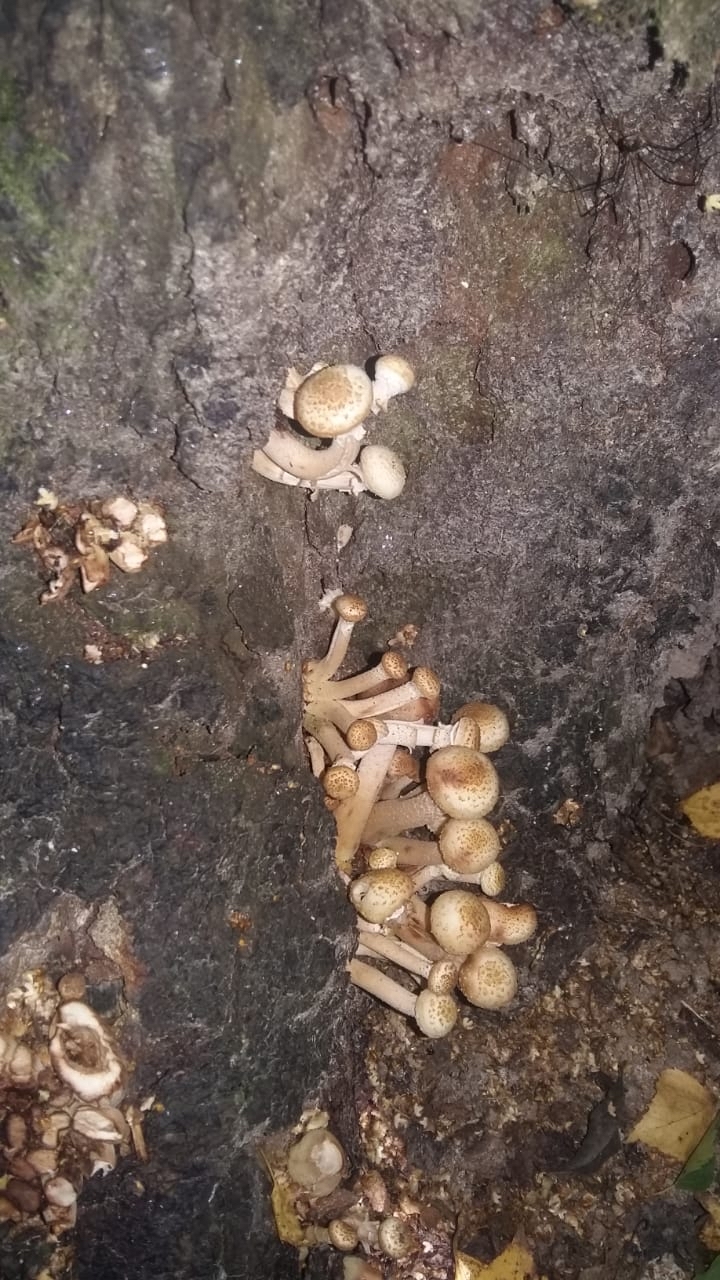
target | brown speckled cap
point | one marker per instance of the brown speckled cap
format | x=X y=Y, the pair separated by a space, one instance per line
x=333 y=400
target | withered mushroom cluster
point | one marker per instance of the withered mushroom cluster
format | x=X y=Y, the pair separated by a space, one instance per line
x=361 y=734
x=85 y=539
x=62 y=1118
x=317 y=1201
x=331 y=403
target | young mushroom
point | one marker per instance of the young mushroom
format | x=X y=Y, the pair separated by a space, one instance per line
x=462 y=782
x=392 y=376
x=413 y=734
x=317 y=1162
x=459 y=922
x=333 y=400
x=435 y=1014
x=463 y=846
x=377 y=895
x=491 y=721
x=350 y=610
x=487 y=978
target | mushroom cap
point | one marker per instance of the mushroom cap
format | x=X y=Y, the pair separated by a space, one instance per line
x=333 y=400
x=395 y=1238
x=487 y=978
x=404 y=765
x=468 y=846
x=427 y=683
x=491 y=720
x=342 y=1235
x=459 y=922
x=462 y=782
x=492 y=879
x=361 y=735
x=394 y=374
x=381 y=859
x=316 y=1162
x=350 y=608
x=511 y=923
x=377 y=895
x=467 y=733
x=340 y=781
x=382 y=471
x=394 y=665
x=442 y=978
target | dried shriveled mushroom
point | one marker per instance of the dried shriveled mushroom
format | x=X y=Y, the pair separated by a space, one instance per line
x=82 y=1053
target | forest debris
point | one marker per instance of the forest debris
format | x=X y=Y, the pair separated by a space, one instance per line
x=514 y=1263
x=702 y=809
x=679 y=1114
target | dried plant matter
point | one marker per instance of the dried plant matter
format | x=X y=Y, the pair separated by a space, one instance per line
x=83 y=540
x=62 y=1117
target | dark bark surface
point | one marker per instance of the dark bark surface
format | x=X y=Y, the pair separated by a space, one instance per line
x=193 y=197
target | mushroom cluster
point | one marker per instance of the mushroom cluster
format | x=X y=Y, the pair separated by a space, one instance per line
x=361 y=734
x=62 y=1118
x=330 y=405
x=85 y=539
x=316 y=1201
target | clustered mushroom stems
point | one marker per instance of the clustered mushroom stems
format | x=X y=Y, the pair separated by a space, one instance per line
x=330 y=404
x=362 y=731
x=62 y=1116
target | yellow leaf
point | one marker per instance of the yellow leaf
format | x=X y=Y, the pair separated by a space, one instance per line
x=514 y=1263
x=677 y=1117
x=287 y=1223
x=703 y=810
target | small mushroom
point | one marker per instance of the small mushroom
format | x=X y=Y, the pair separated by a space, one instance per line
x=392 y=667
x=412 y=734
x=459 y=922
x=492 y=879
x=511 y=922
x=491 y=721
x=434 y=1014
x=350 y=610
x=377 y=895
x=396 y=1238
x=381 y=471
x=465 y=847
x=462 y=782
x=317 y=1162
x=487 y=978
x=351 y=815
x=342 y=1235
x=392 y=376
x=333 y=400
x=423 y=686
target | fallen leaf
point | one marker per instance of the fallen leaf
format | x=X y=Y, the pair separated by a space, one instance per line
x=703 y=810
x=680 y=1112
x=712 y=1273
x=700 y=1168
x=514 y=1263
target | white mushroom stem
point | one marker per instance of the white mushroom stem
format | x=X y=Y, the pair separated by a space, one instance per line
x=392 y=817
x=377 y=984
x=347 y=481
x=398 y=953
x=424 y=876
x=413 y=854
x=369 y=708
x=330 y=739
x=271 y=471
x=319 y=670
x=351 y=815
x=412 y=926
x=380 y=674
x=415 y=734
x=291 y=454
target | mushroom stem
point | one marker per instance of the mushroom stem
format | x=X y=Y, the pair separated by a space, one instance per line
x=391 y=667
x=352 y=814
x=330 y=739
x=319 y=670
x=413 y=854
x=392 y=817
x=377 y=984
x=289 y=453
x=413 y=928
x=271 y=471
x=369 y=708
x=399 y=953
x=415 y=734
